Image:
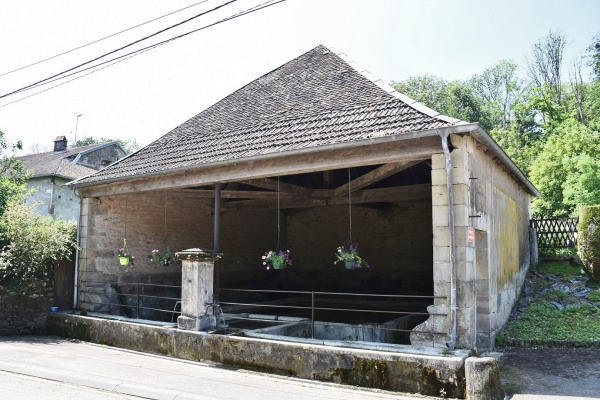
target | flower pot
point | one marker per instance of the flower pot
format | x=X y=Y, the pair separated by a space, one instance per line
x=124 y=260
x=279 y=264
x=350 y=263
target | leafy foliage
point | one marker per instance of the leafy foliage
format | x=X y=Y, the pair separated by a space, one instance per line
x=13 y=182
x=547 y=126
x=557 y=166
x=589 y=240
x=35 y=243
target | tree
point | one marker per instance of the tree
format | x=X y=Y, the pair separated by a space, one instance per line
x=34 y=243
x=427 y=89
x=593 y=51
x=13 y=179
x=545 y=65
x=129 y=145
x=498 y=88
x=582 y=186
x=455 y=99
x=560 y=163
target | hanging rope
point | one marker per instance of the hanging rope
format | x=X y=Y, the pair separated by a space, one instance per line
x=125 y=237
x=125 y=250
x=165 y=224
x=350 y=205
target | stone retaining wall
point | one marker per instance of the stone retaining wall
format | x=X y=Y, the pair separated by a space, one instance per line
x=24 y=309
x=426 y=371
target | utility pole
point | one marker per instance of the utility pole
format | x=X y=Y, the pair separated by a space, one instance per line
x=76 y=123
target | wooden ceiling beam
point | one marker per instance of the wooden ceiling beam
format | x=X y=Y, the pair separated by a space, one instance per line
x=397 y=194
x=231 y=194
x=376 y=175
x=284 y=187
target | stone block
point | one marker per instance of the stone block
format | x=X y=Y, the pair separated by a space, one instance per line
x=460 y=158
x=438 y=161
x=441 y=254
x=465 y=271
x=439 y=195
x=483 y=323
x=187 y=323
x=466 y=327
x=441 y=270
x=441 y=237
x=483 y=379
x=439 y=216
x=465 y=294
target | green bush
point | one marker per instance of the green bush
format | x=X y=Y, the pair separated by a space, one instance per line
x=589 y=240
x=35 y=243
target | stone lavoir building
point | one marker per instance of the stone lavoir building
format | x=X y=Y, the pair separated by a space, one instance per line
x=313 y=155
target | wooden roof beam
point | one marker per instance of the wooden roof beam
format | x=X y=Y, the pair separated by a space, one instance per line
x=374 y=176
x=271 y=184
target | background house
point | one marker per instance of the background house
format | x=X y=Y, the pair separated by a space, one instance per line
x=52 y=170
x=439 y=210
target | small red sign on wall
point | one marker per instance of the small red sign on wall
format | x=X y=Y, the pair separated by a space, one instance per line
x=471 y=235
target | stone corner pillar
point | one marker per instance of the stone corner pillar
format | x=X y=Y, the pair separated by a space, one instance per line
x=483 y=379
x=197 y=286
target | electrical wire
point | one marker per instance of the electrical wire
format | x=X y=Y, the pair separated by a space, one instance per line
x=99 y=40
x=132 y=54
x=121 y=48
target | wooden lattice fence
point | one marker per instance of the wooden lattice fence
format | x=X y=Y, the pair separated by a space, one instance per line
x=555 y=233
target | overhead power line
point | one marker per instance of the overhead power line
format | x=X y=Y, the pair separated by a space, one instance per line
x=99 y=40
x=116 y=60
x=120 y=48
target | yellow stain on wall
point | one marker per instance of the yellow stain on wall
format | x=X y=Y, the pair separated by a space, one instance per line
x=508 y=233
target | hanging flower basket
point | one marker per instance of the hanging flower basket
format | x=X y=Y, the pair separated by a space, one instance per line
x=125 y=258
x=349 y=256
x=277 y=259
x=162 y=257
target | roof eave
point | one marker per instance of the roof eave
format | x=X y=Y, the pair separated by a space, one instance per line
x=483 y=137
x=459 y=129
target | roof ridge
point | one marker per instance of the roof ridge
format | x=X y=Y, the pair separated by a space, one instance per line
x=420 y=107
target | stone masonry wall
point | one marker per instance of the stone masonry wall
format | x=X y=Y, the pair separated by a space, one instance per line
x=491 y=268
x=24 y=310
x=501 y=212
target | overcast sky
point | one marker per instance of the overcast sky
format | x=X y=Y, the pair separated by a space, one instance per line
x=146 y=96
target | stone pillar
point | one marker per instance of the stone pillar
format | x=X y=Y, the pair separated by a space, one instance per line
x=483 y=379
x=197 y=289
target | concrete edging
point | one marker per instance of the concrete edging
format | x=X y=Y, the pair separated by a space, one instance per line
x=429 y=373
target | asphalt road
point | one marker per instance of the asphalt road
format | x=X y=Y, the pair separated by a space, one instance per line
x=51 y=368
x=533 y=374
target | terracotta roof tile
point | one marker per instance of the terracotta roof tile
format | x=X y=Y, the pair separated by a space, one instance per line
x=316 y=99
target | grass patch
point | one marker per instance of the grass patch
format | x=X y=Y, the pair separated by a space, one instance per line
x=594 y=296
x=541 y=321
x=562 y=252
x=557 y=268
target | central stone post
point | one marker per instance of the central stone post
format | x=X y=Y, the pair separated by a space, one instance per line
x=197 y=286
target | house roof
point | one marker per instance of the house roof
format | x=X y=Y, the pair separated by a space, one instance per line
x=58 y=163
x=319 y=98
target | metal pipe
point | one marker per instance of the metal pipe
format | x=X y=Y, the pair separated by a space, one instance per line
x=452 y=342
x=216 y=243
x=312 y=315
x=76 y=283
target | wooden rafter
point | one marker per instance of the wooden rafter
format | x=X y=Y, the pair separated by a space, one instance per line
x=233 y=194
x=374 y=176
x=398 y=194
x=284 y=187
